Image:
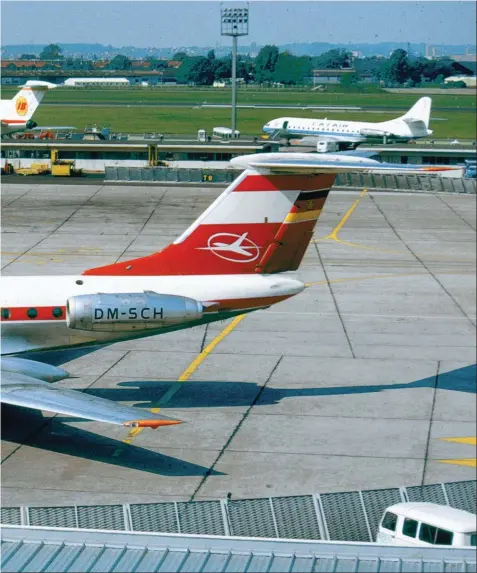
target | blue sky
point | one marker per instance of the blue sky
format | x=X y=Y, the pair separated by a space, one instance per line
x=169 y=24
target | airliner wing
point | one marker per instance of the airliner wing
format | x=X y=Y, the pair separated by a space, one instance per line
x=21 y=390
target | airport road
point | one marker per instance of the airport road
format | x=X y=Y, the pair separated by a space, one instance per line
x=364 y=380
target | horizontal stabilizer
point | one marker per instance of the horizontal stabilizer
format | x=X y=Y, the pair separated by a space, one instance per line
x=45 y=127
x=39 y=85
x=419 y=112
x=333 y=163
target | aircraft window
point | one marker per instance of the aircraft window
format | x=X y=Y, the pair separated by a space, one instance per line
x=79 y=282
x=389 y=521
x=57 y=312
x=6 y=313
x=409 y=528
x=32 y=313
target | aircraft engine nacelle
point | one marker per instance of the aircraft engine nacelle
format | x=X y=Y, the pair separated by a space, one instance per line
x=111 y=312
x=369 y=132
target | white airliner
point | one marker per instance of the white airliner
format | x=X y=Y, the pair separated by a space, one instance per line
x=238 y=256
x=16 y=113
x=412 y=125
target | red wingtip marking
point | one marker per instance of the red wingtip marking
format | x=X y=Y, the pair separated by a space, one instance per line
x=152 y=423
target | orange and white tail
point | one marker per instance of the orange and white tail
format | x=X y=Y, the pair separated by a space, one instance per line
x=260 y=224
x=25 y=102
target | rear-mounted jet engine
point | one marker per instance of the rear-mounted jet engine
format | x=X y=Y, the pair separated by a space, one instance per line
x=107 y=312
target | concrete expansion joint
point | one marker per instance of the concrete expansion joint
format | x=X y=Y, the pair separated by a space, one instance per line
x=426 y=267
x=235 y=430
x=431 y=419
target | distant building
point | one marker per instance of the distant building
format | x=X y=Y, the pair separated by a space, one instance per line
x=101 y=82
x=469 y=81
x=334 y=76
x=465 y=58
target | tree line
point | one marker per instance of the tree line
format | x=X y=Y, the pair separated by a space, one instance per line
x=271 y=66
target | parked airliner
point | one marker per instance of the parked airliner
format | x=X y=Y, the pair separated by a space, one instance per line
x=239 y=256
x=16 y=113
x=412 y=125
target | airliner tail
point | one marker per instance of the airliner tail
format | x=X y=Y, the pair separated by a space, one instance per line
x=419 y=112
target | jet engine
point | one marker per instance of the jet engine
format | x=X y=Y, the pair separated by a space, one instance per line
x=112 y=312
x=369 y=132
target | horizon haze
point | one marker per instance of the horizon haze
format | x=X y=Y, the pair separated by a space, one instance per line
x=168 y=24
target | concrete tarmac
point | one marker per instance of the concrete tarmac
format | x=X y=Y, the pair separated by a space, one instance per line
x=365 y=380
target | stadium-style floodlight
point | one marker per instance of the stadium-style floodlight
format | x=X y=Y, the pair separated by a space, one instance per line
x=234 y=21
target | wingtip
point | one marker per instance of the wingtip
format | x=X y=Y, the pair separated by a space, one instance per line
x=151 y=423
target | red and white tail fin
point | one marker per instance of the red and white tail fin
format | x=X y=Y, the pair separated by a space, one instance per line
x=25 y=102
x=260 y=224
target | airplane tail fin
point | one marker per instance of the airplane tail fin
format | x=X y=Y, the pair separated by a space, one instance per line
x=262 y=223
x=420 y=112
x=28 y=99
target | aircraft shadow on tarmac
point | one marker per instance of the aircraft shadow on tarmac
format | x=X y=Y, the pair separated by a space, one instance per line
x=221 y=394
x=24 y=426
x=29 y=427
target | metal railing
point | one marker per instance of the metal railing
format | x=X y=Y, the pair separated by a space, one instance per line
x=342 y=516
x=401 y=182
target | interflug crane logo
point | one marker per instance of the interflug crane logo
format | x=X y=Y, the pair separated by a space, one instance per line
x=21 y=106
x=232 y=247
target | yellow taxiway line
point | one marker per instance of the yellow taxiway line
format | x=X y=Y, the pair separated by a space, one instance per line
x=333 y=236
x=188 y=372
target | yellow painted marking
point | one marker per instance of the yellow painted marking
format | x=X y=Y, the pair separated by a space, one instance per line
x=334 y=234
x=471 y=441
x=469 y=462
x=305 y=216
x=188 y=372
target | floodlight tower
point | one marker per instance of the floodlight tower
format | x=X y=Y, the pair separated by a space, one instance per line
x=234 y=22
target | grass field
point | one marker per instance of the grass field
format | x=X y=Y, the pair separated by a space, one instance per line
x=195 y=96
x=184 y=120
x=456 y=113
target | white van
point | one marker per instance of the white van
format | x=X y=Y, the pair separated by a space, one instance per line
x=427 y=524
x=225 y=133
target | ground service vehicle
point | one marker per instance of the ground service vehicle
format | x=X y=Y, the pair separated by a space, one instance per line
x=427 y=524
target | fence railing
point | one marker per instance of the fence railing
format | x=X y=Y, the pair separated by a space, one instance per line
x=342 y=516
x=401 y=182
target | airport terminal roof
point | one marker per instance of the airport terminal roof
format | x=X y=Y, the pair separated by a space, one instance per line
x=42 y=549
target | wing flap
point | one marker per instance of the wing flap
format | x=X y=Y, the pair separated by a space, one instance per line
x=21 y=390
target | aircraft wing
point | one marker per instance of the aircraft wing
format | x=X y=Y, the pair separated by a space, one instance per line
x=22 y=390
